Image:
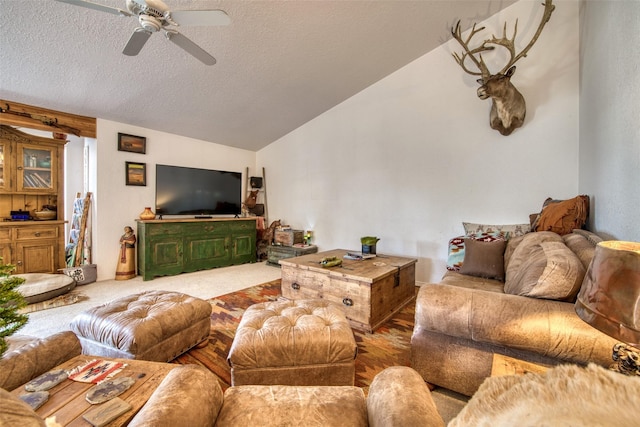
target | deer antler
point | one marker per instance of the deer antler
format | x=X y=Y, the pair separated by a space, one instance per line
x=504 y=41
x=470 y=53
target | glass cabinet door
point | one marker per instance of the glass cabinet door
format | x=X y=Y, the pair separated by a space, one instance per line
x=35 y=168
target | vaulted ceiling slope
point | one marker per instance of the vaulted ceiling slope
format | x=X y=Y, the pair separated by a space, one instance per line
x=279 y=63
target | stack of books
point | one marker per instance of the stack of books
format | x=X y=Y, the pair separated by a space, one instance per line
x=358 y=256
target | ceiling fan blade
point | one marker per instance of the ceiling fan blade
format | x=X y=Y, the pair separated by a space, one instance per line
x=201 y=18
x=96 y=6
x=136 y=41
x=190 y=47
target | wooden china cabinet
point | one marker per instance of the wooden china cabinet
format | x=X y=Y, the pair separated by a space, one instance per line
x=31 y=177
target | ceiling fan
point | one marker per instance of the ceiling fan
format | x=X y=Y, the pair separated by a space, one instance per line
x=154 y=16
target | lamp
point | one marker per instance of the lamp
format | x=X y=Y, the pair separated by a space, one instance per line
x=609 y=300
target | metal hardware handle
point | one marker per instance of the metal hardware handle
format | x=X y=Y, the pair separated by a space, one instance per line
x=295 y=286
x=347 y=301
x=37 y=234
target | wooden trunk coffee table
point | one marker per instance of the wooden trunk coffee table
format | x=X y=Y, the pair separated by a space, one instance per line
x=369 y=291
x=67 y=400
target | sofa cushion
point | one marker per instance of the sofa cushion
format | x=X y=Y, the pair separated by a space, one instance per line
x=583 y=244
x=545 y=327
x=33 y=359
x=522 y=252
x=553 y=272
x=14 y=412
x=455 y=278
x=507 y=230
x=281 y=405
x=484 y=259
x=512 y=244
x=190 y=395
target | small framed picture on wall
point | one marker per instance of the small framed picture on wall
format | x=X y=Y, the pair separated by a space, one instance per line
x=136 y=173
x=132 y=143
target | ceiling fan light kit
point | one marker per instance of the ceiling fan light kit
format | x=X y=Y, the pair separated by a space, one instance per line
x=153 y=16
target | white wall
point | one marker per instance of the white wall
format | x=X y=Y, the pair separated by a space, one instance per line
x=411 y=157
x=610 y=116
x=117 y=205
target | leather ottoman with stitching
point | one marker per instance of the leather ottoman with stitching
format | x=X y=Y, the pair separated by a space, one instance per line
x=303 y=342
x=154 y=325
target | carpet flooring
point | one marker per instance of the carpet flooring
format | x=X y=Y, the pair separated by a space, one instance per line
x=388 y=346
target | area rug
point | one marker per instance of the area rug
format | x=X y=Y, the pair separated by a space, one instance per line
x=388 y=346
x=59 y=301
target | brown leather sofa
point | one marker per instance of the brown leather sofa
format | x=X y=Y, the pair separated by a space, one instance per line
x=463 y=320
x=191 y=395
x=398 y=396
x=190 y=384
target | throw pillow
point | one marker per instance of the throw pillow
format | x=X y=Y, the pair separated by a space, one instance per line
x=455 y=256
x=507 y=230
x=562 y=216
x=456 y=253
x=583 y=245
x=523 y=252
x=552 y=272
x=484 y=259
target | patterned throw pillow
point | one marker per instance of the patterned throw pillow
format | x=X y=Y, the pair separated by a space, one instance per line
x=455 y=257
x=456 y=253
x=512 y=230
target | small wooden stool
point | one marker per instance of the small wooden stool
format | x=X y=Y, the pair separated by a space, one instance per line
x=303 y=342
x=156 y=326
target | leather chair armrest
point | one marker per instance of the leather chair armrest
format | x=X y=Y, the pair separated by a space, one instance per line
x=31 y=360
x=189 y=395
x=398 y=396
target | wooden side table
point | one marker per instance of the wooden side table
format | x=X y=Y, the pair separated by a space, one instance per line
x=505 y=365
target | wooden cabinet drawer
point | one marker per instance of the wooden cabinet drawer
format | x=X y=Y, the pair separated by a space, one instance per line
x=205 y=228
x=5 y=234
x=36 y=233
x=163 y=229
x=242 y=226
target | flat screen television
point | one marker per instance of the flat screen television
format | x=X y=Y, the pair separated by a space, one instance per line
x=191 y=191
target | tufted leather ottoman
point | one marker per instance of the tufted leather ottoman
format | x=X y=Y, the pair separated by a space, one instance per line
x=155 y=325
x=303 y=342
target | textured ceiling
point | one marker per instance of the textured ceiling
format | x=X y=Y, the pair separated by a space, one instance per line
x=280 y=63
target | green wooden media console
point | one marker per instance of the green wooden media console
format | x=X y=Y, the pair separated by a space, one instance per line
x=172 y=246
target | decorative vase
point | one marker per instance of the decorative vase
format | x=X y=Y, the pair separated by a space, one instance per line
x=147 y=214
x=369 y=244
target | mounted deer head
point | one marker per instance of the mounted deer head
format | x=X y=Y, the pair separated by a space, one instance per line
x=508 y=108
